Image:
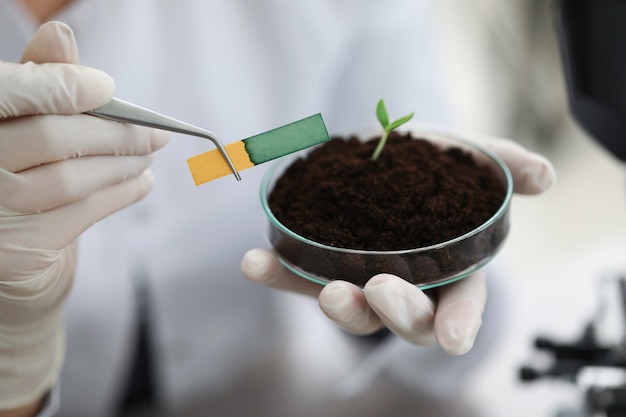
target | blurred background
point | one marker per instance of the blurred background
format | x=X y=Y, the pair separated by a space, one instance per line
x=505 y=68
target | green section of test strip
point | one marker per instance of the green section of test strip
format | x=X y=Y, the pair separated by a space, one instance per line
x=286 y=139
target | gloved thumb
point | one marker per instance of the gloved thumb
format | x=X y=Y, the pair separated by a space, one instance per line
x=44 y=84
x=53 y=42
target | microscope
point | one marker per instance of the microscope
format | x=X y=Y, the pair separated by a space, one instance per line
x=592 y=40
x=596 y=361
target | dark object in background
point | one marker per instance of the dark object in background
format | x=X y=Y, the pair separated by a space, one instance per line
x=592 y=35
x=597 y=366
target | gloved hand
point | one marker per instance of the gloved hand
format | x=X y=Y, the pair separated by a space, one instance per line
x=452 y=321
x=60 y=172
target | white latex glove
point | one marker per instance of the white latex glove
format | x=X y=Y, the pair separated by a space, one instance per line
x=450 y=315
x=60 y=172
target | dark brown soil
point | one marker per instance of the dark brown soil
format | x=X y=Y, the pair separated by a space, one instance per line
x=414 y=195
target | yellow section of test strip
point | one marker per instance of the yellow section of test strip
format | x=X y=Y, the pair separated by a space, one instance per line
x=211 y=165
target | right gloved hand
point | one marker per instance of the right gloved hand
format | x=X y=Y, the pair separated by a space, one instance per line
x=450 y=315
x=60 y=172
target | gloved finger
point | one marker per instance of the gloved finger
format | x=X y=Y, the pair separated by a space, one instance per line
x=459 y=313
x=532 y=173
x=346 y=305
x=49 y=80
x=52 y=230
x=53 y=42
x=28 y=89
x=53 y=185
x=262 y=266
x=405 y=309
x=32 y=141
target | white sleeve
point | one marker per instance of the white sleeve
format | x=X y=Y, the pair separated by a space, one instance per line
x=50 y=406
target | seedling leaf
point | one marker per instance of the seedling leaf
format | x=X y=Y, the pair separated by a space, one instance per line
x=399 y=122
x=381 y=114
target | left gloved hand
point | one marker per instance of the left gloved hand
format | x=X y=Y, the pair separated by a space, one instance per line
x=450 y=315
x=60 y=172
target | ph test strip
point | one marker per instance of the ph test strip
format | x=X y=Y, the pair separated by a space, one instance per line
x=260 y=148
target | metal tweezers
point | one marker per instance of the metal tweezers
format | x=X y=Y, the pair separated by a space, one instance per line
x=122 y=111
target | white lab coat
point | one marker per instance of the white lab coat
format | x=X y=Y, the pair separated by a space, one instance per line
x=237 y=68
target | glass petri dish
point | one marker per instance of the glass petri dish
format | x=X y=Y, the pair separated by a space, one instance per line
x=427 y=266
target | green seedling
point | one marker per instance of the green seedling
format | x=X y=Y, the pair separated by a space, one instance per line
x=383 y=118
